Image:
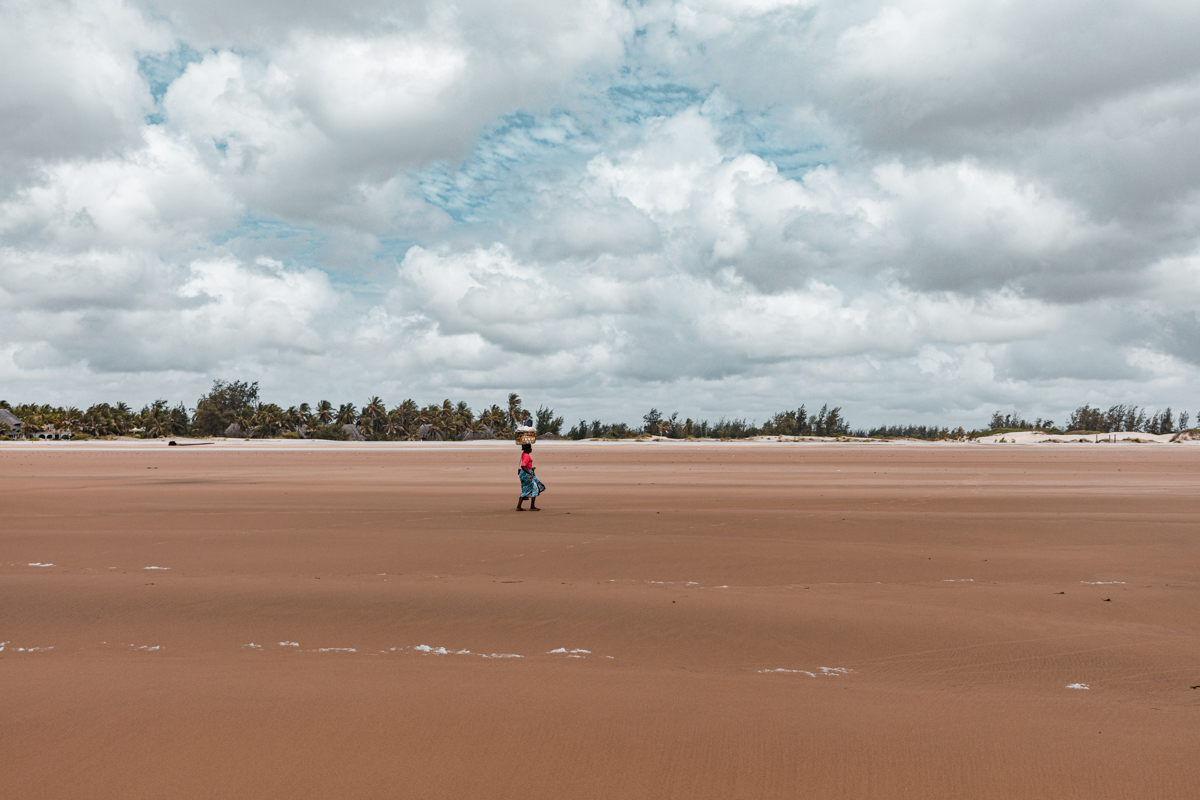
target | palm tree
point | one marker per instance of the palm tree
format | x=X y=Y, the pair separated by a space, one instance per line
x=245 y=421
x=430 y=415
x=374 y=412
x=406 y=414
x=347 y=414
x=156 y=420
x=267 y=419
x=121 y=417
x=494 y=418
x=258 y=414
x=374 y=408
x=103 y=420
x=156 y=425
x=324 y=412
x=516 y=415
x=393 y=425
x=180 y=422
x=463 y=418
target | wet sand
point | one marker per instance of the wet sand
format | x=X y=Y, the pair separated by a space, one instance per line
x=746 y=621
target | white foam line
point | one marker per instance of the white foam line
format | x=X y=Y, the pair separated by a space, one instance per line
x=37 y=564
x=958 y=580
x=442 y=651
x=289 y=644
x=255 y=646
x=1078 y=686
x=26 y=649
x=155 y=567
x=336 y=650
x=1102 y=583
x=825 y=671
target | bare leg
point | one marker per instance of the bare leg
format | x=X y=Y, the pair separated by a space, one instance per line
x=520 y=504
x=533 y=504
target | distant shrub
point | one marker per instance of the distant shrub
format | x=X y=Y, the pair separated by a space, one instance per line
x=1000 y=431
x=329 y=432
x=908 y=432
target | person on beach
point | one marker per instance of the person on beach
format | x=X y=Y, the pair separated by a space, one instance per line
x=531 y=487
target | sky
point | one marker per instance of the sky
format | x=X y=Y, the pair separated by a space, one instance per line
x=920 y=211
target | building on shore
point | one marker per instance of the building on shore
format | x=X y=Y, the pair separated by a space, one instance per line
x=14 y=423
x=50 y=433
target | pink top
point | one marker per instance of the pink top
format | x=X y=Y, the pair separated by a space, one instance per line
x=526 y=461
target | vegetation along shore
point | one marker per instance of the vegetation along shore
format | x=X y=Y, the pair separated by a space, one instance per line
x=235 y=409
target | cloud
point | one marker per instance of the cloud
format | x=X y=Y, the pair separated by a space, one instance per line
x=153 y=198
x=918 y=209
x=70 y=88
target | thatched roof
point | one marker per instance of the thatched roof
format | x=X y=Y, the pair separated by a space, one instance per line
x=11 y=420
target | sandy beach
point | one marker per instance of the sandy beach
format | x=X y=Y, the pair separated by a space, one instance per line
x=706 y=621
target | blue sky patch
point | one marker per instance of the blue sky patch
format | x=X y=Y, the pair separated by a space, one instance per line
x=160 y=70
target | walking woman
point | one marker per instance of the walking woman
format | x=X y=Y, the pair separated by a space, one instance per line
x=531 y=487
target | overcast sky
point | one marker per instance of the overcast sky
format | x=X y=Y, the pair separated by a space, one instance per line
x=922 y=211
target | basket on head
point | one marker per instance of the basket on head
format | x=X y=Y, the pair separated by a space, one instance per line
x=526 y=437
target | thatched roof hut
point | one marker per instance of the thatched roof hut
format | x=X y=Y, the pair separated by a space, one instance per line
x=12 y=421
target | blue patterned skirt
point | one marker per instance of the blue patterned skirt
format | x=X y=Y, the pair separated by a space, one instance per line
x=530 y=485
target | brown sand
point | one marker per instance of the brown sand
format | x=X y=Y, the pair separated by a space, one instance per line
x=961 y=590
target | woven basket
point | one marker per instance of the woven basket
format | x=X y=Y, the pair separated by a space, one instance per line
x=526 y=437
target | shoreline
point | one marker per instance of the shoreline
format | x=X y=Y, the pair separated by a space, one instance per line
x=1024 y=438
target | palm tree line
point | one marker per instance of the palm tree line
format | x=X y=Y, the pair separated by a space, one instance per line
x=236 y=405
x=234 y=408
x=104 y=420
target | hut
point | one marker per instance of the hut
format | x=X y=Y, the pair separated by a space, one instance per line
x=484 y=432
x=13 y=422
